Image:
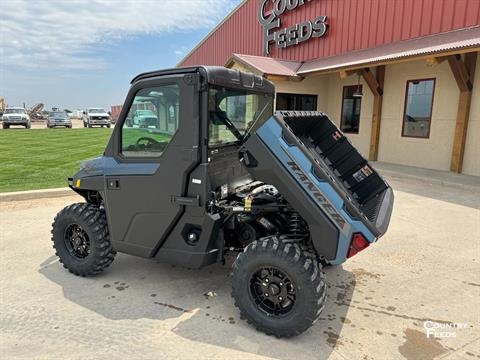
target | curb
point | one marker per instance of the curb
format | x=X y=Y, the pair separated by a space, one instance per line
x=35 y=194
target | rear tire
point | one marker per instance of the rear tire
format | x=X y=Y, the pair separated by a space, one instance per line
x=6 y=126
x=81 y=239
x=290 y=307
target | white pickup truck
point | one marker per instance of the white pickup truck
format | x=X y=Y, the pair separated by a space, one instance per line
x=96 y=117
x=16 y=116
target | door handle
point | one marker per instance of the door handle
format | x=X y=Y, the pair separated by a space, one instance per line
x=113 y=184
x=187 y=201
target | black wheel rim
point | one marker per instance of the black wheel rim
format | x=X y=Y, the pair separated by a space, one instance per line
x=272 y=291
x=77 y=241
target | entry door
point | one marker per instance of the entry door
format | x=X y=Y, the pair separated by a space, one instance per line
x=156 y=145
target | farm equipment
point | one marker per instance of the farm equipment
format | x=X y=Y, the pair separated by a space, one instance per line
x=218 y=173
x=35 y=112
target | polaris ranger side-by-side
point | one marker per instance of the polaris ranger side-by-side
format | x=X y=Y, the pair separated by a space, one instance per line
x=217 y=172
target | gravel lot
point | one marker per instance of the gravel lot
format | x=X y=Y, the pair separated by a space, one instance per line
x=427 y=267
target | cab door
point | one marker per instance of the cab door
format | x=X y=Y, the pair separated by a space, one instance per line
x=146 y=178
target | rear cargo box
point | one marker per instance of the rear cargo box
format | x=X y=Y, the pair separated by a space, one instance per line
x=319 y=160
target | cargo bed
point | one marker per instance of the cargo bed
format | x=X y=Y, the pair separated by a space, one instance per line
x=323 y=176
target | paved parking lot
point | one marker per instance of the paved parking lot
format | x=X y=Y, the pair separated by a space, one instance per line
x=76 y=123
x=427 y=268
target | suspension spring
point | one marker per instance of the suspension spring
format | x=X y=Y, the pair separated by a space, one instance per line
x=297 y=230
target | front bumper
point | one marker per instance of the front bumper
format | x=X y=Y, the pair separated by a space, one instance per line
x=60 y=123
x=99 y=122
x=15 y=121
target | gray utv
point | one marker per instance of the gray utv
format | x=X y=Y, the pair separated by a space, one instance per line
x=217 y=172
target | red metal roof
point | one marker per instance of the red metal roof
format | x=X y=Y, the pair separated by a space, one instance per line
x=353 y=25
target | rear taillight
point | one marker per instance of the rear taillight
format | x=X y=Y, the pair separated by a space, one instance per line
x=358 y=244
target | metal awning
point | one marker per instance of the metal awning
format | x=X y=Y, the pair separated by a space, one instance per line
x=267 y=66
x=447 y=43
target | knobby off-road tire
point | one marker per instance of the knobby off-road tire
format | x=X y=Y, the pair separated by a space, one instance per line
x=303 y=273
x=86 y=224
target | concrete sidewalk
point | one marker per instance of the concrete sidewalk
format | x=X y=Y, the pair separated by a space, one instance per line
x=425 y=270
x=437 y=177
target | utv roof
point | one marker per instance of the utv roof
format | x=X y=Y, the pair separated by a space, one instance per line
x=216 y=75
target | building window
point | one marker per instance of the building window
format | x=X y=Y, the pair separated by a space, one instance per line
x=351 y=106
x=300 y=102
x=417 y=117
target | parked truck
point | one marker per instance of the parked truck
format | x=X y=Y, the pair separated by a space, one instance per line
x=93 y=116
x=16 y=116
x=284 y=192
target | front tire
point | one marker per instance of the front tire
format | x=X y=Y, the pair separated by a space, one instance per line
x=81 y=239
x=278 y=288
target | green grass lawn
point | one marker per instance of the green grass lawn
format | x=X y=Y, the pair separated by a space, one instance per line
x=45 y=158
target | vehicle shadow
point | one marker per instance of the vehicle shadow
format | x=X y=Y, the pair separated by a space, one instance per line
x=222 y=327
x=135 y=288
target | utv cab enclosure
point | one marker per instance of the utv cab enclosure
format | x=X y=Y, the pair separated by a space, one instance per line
x=215 y=171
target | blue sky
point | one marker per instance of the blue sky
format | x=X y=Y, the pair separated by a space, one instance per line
x=73 y=54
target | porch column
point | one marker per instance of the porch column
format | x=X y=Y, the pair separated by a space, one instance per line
x=375 y=83
x=464 y=74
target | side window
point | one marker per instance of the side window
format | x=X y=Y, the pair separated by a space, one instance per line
x=351 y=107
x=418 y=108
x=152 y=121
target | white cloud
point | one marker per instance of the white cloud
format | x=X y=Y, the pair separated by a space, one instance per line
x=63 y=34
x=181 y=51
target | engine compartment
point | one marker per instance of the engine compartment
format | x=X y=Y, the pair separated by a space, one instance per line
x=255 y=211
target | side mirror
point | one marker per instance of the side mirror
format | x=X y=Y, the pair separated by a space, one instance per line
x=84 y=112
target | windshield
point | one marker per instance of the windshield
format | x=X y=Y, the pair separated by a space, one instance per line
x=14 y=111
x=96 y=111
x=58 y=114
x=233 y=112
